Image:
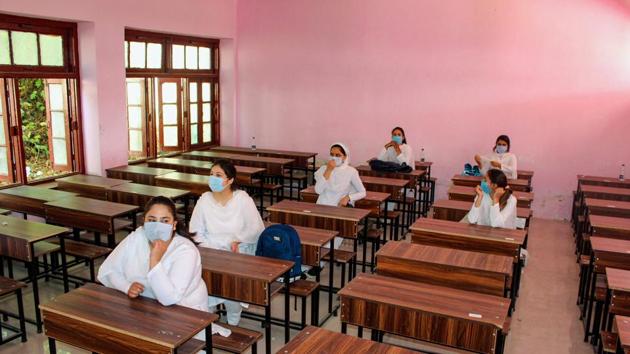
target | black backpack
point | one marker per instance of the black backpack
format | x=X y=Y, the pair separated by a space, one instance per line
x=386 y=166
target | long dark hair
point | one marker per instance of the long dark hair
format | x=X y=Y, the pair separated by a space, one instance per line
x=180 y=229
x=504 y=138
x=498 y=177
x=343 y=151
x=403 y=133
x=230 y=171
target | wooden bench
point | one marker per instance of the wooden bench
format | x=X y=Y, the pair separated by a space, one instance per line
x=303 y=288
x=87 y=252
x=608 y=342
x=10 y=286
x=272 y=189
x=239 y=341
x=342 y=258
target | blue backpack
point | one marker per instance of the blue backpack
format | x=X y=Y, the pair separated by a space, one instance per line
x=282 y=242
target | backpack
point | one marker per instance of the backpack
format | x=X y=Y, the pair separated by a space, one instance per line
x=386 y=166
x=281 y=241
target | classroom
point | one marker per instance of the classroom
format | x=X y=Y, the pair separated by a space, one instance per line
x=315 y=176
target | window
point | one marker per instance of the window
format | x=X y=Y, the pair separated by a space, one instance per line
x=39 y=112
x=179 y=78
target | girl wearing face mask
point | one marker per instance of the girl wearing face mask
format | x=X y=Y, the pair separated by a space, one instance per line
x=226 y=219
x=397 y=149
x=494 y=204
x=501 y=158
x=338 y=183
x=159 y=261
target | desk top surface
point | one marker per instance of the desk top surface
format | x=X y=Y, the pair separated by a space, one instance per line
x=612 y=245
x=92 y=206
x=266 y=151
x=311 y=236
x=394 y=182
x=151 y=191
x=471 y=191
x=369 y=195
x=454 y=228
x=236 y=157
x=311 y=209
x=29 y=231
x=37 y=193
x=142 y=170
x=466 y=205
x=92 y=181
x=243 y=265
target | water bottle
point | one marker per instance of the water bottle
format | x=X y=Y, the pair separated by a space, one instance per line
x=622 y=172
x=253 y=143
x=422 y=155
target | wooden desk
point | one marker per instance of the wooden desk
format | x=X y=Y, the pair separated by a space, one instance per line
x=302 y=160
x=372 y=201
x=273 y=165
x=464 y=270
x=196 y=184
x=609 y=252
x=89 y=214
x=29 y=199
x=525 y=174
x=318 y=340
x=247 y=279
x=392 y=186
x=425 y=166
x=18 y=239
x=604 y=207
x=137 y=173
x=623 y=328
x=523 y=199
x=99 y=319
x=607 y=193
x=451 y=317
x=88 y=186
x=603 y=181
x=412 y=177
x=140 y=194
x=609 y=226
x=244 y=174
x=618 y=282
x=521 y=185
x=456 y=210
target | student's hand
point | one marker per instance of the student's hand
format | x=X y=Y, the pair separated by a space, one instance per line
x=344 y=201
x=331 y=165
x=234 y=246
x=135 y=290
x=158 y=248
x=397 y=148
x=478 y=160
x=496 y=164
x=480 y=193
x=390 y=144
x=498 y=193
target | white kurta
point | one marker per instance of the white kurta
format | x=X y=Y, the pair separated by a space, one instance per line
x=491 y=215
x=507 y=161
x=406 y=155
x=343 y=181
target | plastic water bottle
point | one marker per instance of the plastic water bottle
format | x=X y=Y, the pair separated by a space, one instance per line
x=422 y=155
x=622 y=172
x=253 y=143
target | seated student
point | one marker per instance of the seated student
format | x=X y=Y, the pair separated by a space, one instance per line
x=226 y=219
x=159 y=261
x=501 y=158
x=397 y=149
x=338 y=183
x=494 y=204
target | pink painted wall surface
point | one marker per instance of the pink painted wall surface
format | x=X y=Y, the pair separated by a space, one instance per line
x=101 y=46
x=553 y=74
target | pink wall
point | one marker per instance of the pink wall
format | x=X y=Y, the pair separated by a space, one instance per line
x=553 y=74
x=101 y=38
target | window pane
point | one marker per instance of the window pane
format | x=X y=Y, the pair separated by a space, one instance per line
x=193 y=112
x=178 y=56
x=4 y=48
x=137 y=54
x=135 y=140
x=191 y=57
x=51 y=48
x=204 y=58
x=135 y=117
x=4 y=164
x=169 y=114
x=59 y=152
x=126 y=54
x=194 y=139
x=154 y=55
x=58 y=120
x=2 y=134
x=170 y=136
x=206 y=133
x=56 y=97
x=134 y=93
x=206 y=112
x=193 y=92
x=205 y=91
x=169 y=92
x=24 y=46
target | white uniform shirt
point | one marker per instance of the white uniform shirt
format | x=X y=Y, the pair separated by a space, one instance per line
x=507 y=161
x=491 y=215
x=217 y=226
x=406 y=155
x=344 y=181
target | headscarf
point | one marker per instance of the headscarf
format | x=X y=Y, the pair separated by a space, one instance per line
x=345 y=149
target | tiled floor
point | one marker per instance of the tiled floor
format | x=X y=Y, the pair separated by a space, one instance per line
x=545 y=321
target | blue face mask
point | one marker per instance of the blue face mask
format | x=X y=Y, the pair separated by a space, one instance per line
x=338 y=160
x=485 y=187
x=501 y=149
x=155 y=230
x=216 y=184
x=397 y=139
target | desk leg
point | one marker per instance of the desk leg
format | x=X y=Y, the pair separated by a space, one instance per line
x=32 y=273
x=21 y=315
x=331 y=279
x=344 y=327
x=64 y=268
x=186 y=205
x=97 y=238
x=291 y=184
x=262 y=194
x=287 y=306
x=209 y=339
x=365 y=239
x=111 y=240
x=352 y=270
x=52 y=346
x=268 y=321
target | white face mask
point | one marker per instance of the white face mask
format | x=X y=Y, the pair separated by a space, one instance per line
x=501 y=149
x=338 y=160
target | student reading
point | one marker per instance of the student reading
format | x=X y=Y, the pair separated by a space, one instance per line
x=501 y=158
x=226 y=219
x=397 y=150
x=494 y=204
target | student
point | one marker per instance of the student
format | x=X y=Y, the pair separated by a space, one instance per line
x=226 y=219
x=494 y=204
x=501 y=158
x=158 y=261
x=397 y=149
x=338 y=183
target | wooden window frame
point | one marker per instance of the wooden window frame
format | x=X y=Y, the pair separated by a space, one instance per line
x=144 y=119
